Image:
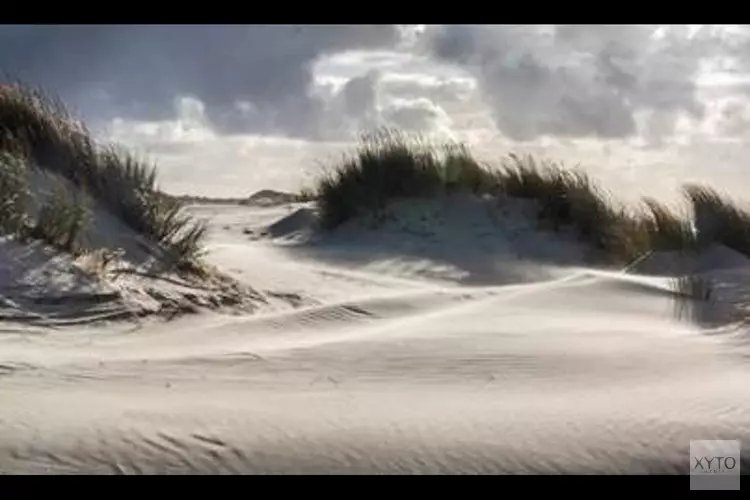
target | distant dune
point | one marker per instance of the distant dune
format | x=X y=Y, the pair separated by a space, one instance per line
x=269 y=197
x=264 y=197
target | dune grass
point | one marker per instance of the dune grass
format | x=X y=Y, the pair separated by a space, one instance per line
x=38 y=130
x=14 y=193
x=719 y=219
x=60 y=221
x=570 y=198
x=667 y=230
x=389 y=165
x=386 y=166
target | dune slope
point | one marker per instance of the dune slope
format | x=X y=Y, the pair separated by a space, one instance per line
x=388 y=350
x=85 y=232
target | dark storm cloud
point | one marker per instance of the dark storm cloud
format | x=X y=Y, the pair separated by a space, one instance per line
x=136 y=71
x=579 y=81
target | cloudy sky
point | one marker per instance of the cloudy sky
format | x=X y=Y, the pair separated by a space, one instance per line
x=226 y=110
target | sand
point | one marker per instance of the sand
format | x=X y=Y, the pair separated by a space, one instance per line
x=449 y=339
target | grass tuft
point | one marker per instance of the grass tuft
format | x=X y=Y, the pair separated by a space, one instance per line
x=569 y=198
x=667 y=230
x=38 y=129
x=14 y=193
x=718 y=219
x=61 y=220
x=387 y=165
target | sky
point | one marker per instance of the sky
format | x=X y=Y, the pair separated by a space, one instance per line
x=228 y=110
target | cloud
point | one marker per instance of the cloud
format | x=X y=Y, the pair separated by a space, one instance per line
x=136 y=71
x=352 y=108
x=227 y=109
x=370 y=101
x=449 y=90
x=732 y=118
x=193 y=158
x=417 y=115
x=580 y=81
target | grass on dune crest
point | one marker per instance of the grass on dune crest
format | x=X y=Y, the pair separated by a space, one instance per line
x=14 y=193
x=37 y=131
x=570 y=198
x=389 y=165
x=719 y=219
x=60 y=220
x=665 y=229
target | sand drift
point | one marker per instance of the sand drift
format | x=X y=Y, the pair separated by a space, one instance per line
x=435 y=343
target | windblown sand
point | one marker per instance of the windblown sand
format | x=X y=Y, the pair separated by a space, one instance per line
x=435 y=343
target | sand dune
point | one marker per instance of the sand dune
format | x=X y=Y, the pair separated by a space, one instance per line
x=438 y=342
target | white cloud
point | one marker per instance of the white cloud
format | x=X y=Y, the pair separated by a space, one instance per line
x=419 y=115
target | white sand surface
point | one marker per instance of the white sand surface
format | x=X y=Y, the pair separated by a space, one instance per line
x=450 y=339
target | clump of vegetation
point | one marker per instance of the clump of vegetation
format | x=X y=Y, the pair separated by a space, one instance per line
x=718 y=219
x=666 y=230
x=569 y=198
x=389 y=165
x=14 y=193
x=38 y=130
x=60 y=221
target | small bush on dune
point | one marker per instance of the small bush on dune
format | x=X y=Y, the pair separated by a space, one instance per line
x=40 y=129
